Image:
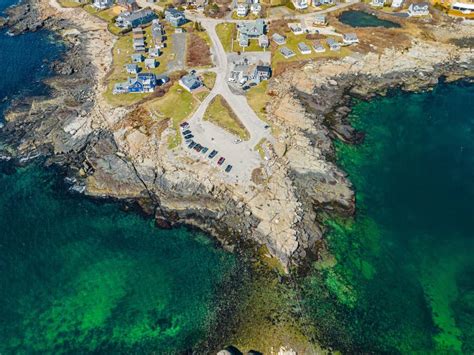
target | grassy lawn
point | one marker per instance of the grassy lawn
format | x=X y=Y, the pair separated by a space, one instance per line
x=226 y=31
x=250 y=16
x=91 y=9
x=109 y=14
x=177 y=105
x=292 y=41
x=253 y=47
x=257 y=98
x=219 y=113
x=209 y=79
x=69 y=3
x=122 y=52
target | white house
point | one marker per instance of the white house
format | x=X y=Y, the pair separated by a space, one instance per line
x=377 y=3
x=301 y=4
x=397 y=3
x=304 y=48
x=464 y=7
x=350 y=38
x=421 y=9
x=255 y=8
x=102 y=4
x=242 y=10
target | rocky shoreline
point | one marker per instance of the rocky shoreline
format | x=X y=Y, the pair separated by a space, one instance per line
x=91 y=141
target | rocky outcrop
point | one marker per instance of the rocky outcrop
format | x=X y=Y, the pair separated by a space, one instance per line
x=122 y=153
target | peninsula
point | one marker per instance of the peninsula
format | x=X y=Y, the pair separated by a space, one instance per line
x=222 y=115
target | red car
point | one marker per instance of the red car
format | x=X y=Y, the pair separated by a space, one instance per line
x=221 y=161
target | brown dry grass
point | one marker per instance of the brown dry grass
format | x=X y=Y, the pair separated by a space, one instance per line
x=198 y=53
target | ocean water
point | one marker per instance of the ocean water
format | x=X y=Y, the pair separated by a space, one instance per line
x=24 y=62
x=402 y=279
x=356 y=18
x=81 y=276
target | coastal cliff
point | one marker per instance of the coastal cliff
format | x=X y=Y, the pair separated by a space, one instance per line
x=122 y=153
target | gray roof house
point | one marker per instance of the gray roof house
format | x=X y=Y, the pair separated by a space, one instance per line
x=139 y=44
x=278 y=39
x=150 y=63
x=137 y=58
x=102 y=4
x=253 y=29
x=135 y=19
x=304 y=48
x=421 y=9
x=243 y=40
x=320 y=20
x=287 y=52
x=350 y=38
x=377 y=3
x=174 y=17
x=154 y=52
x=263 y=41
x=318 y=47
x=333 y=44
x=132 y=68
x=190 y=82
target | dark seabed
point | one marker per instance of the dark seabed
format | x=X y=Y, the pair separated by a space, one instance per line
x=78 y=276
x=403 y=274
x=356 y=18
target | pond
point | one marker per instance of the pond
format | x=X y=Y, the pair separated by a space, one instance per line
x=364 y=19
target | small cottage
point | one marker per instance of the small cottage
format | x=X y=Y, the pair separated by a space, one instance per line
x=350 y=38
x=150 y=63
x=318 y=47
x=278 y=39
x=174 y=17
x=132 y=68
x=287 y=52
x=242 y=10
x=304 y=48
x=417 y=10
x=191 y=82
x=263 y=41
x=333 y=44
x=137 y=58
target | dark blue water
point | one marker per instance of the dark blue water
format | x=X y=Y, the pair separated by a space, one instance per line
x=80 y=277
x=24 y=62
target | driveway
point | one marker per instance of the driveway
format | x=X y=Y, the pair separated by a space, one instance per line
x=179 y=51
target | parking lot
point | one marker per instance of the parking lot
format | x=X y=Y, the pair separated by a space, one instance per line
x=243 y=158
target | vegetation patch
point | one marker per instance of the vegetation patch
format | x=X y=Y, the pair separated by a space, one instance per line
x=219 y=113
x=226 y=32
x=122 y=51
x=198 y=53
x=177 y=105
x=69 y=3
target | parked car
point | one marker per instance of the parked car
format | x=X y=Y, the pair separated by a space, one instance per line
x=184 y=125
x=186 y=132
x=198 y=148
x=228 y=168
x=189 y=136
x=221 y=161
x=204 y=150
x=213 y=154
x=191 y=145
x=187 y=141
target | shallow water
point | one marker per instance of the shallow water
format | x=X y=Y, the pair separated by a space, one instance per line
x=79 y=276
x=356 y=18
x=403 y=278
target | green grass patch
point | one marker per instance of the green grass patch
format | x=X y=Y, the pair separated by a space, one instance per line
x=110 y=14
x=226 y=31
x=292 y=41
x=219 y=113
x=69 y=3
x=209 y=79
x=177 y=105
x=122 y=51
x=261 y=152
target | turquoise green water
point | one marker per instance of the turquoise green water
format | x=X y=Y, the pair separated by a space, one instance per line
x=403 y=275
x=78 y=276
x=356 y=18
